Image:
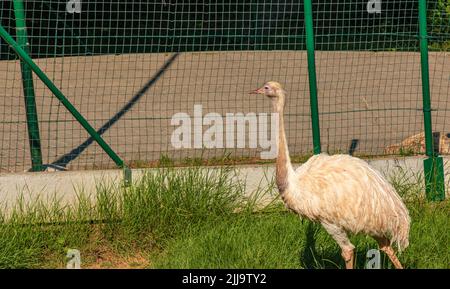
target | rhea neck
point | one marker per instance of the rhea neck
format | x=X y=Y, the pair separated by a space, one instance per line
x=284 y=166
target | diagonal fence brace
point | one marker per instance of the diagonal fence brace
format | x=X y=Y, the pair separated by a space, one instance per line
x=67 y=104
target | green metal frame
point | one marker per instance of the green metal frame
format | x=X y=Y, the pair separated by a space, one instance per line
x=58 y=94
x=28 y=90
x=312 y=76
x=433 y=165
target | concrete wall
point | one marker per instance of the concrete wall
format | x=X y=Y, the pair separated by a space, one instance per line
x=66 y=185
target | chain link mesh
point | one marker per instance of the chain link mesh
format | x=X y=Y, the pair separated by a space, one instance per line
x=129 y=66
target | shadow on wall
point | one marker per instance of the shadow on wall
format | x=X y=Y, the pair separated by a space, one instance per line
x=62 y=162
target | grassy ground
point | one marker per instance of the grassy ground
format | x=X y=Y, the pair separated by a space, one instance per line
x=197 y=218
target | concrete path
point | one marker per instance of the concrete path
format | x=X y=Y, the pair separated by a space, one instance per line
x=372 y=98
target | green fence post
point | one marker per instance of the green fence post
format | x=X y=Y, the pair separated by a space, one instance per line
x=312 y=76
x=67 y=104
x=433 y=165
x=28 y=90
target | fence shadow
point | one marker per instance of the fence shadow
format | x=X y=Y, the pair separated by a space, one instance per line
x=353 y=145
x=63 y=161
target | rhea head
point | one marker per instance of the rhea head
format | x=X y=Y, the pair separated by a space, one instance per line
x=274 y=91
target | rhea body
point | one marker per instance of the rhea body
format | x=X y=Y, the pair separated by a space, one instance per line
x=343 y=193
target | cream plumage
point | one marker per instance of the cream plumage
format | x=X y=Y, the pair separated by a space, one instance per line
x=341 y=192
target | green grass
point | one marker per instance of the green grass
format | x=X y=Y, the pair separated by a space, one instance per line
x=197 y=218
x=281 y=240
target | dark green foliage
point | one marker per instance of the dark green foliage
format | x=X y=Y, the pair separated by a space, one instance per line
x=118 y=27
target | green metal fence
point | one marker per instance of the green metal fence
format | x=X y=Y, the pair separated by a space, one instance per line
x=128 y=66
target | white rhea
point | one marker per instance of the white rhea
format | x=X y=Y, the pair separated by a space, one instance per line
x=341 y=192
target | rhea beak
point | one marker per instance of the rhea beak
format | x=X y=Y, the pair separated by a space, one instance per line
x=257 y=91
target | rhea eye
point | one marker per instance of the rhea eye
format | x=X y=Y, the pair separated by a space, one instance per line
x=266 y=87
